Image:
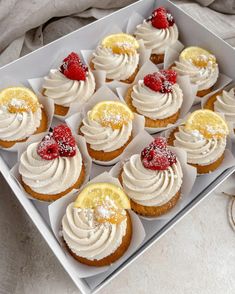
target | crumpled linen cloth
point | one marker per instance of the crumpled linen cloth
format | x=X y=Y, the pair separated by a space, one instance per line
x=26 y=25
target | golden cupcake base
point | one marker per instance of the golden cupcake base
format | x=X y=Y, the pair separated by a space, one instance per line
x=157 y=58
x=201 y=169
x=126 y=240
x=151 y=123
x=130 y=80
x=48 y=197
x=211 y=101
x=42 y=128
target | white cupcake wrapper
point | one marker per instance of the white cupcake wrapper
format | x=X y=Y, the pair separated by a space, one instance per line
x=37 y=83
x=48 y=107
x=184 y=83
x=56 y=213
x=14 y=172
x=172 y=54
x=104 y=93
x=101 y=75
x=231 y=124
x=189 y=173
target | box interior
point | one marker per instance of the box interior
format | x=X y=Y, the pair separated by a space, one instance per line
x=38 y=63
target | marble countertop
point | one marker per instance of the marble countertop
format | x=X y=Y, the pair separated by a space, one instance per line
x=196 y=256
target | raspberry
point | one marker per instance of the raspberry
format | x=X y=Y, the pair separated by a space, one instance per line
x=157 y=156
x=73 y=68
x=72 y=57
x=170 y=156
x=160 y=142
x=170 y=75
x=48 y=149
x=65 y=140
x=153 y=82
x=161 y=18
x=158 y=162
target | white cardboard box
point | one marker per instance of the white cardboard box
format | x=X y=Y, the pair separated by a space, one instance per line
x=38 y=63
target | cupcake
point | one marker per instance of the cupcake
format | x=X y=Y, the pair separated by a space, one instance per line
x=73 y=82
x=201 y=67
x=53 y=167
x=158 y=32
x=223 y=102
x=152 y=179
x=21 y=115
x=158 y=98
x=117 y=55
x=203 y=137
x=97 y=227
x=107 y=129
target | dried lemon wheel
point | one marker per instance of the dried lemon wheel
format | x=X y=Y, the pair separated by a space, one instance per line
x=208 y=123
x=19 y=99
x=100 y=194
x=112 y=114
x=200 y=57
x=121 y=43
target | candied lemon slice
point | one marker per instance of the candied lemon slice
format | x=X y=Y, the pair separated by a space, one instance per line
x=109 y=214
x=121 y=43
x=112 y=114
x=102 y=194
x=200 y=57
x=208 y=123
x=19 y=99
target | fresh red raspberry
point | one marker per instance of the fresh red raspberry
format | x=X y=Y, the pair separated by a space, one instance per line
x=153 y=82
x=170 y=75
x=170 y=156
x=158 y=162
x=48 y=149
x=157 y=156
x=161 y=18
x=65 y=140
x=160 y=143
x=73 y=68
x=72 y=57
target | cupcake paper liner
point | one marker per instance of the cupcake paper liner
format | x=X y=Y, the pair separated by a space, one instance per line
x=184 y=83
x=172 y=54
x=104 y=93
x=189 y=173
x=48 y=107
x=100 y=74
x=56 y=212
x=14 y=172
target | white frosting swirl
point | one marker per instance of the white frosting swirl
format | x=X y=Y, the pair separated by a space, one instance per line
x=156 y=39
x=105 y=138
x=89 y=239
x=18 y=126
x=49 y=176
x=149 y=187
x=225 y=103
x=156 y=105
x=203 y=77
x=117 y=66
x=65 y=91
x=199 y=149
